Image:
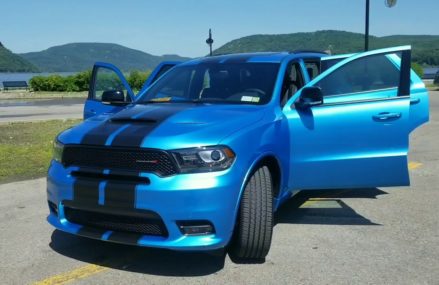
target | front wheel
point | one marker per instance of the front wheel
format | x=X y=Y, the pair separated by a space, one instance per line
x=254 y=229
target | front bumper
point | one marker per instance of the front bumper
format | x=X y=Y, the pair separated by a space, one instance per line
x=209 y=197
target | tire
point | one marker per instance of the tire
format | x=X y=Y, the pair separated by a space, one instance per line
x=252 y=237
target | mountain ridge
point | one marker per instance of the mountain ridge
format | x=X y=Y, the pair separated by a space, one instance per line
x=425 y=47
x=10 y=62
x=73 y=57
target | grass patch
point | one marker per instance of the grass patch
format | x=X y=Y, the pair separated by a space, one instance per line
x=23 y=94
x=432 y=87
x=26 y=148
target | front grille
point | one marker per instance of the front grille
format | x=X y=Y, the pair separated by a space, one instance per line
x=150 y=224
x=113 y=158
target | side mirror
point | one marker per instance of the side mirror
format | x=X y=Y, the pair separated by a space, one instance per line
x=309 y=97
x=113 y=96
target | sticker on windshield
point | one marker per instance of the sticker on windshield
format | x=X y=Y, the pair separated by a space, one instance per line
x=250 y=99
x=163 y=99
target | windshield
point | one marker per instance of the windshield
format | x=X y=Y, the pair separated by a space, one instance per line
x=229 y=83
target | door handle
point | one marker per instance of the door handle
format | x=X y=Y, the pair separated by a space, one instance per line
x=386 y=116
x=414 y=101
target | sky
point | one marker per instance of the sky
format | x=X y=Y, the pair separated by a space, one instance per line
x=181 y=26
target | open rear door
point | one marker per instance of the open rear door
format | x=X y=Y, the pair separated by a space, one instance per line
x=106 y=78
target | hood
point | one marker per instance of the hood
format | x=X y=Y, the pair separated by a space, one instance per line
x=164 y=125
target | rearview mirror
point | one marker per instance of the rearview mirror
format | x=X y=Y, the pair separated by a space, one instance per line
x=113 y=96
x=309 y=97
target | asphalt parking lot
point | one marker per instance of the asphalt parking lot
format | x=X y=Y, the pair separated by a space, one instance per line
x=370 y=236
x=40 y=109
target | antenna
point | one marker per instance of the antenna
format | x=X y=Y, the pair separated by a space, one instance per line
x=209 y=41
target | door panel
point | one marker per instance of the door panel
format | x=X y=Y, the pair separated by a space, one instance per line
x=105 y=77
x=348 y=145
x=419 y=107
x=359 y=136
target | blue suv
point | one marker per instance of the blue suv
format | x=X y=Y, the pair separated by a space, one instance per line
x=208 y=150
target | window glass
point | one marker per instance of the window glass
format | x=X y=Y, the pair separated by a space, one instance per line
x=365 y=74
x=107 y=80
x=293 y=81
x=244 y=83
x=164 y=68
x=312 y=68
x=177 y=86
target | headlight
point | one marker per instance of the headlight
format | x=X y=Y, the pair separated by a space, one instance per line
x=203 y=159
x=58 y=149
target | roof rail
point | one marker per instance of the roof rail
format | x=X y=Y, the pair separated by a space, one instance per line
x=307 y=51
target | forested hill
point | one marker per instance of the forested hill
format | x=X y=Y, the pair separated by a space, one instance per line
x=10 y=62
x=425 y=48
x=81 y=56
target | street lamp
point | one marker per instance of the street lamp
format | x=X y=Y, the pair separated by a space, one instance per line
x=209 y=41
x=389 y=4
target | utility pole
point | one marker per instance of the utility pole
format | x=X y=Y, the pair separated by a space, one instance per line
x=389 y=4
x=209 y=41
x=366 y=34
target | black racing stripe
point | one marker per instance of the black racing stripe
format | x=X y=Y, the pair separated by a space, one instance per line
x=137 y=131
x=100 y=134
x=128 y=238
x=91 y=232
x=120 y=195
x=134 y=134
x=85 y=193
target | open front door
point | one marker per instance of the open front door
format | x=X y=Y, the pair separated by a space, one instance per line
x=358 y=137
x=107 y=81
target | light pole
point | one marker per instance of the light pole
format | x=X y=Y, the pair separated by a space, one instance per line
x=209 y=41
x=389 y=4
x=366 y=33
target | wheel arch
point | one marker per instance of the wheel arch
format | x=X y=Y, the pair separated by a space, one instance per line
x=274 y=165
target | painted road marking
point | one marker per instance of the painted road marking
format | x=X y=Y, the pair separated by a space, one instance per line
x=321 y=203
x=75 y=274
x=414 y=164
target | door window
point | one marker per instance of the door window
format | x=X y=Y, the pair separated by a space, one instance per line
x=293 y=81
x=366 y=74
x=107 y=80
x=312 y=67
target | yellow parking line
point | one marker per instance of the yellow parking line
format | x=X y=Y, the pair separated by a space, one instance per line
x=414 y=164
x=75 y=274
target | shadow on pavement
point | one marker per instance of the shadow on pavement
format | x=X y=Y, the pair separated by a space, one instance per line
x=136 y=259
x=307 y=207
x=325 y=207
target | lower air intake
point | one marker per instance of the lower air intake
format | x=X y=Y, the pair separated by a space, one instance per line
x=151 y=224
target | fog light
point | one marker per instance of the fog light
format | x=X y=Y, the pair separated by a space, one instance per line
x=196 y=227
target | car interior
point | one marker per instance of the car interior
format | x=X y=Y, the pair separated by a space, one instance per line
x=293 y=81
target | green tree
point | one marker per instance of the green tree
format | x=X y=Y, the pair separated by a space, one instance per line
x=136 y=79
x=418 y=69
x=72 y=83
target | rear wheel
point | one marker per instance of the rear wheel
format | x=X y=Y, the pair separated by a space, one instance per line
x=254 y=229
